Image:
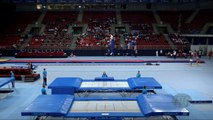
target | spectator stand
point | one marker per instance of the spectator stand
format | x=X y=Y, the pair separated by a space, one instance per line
x=21 y=73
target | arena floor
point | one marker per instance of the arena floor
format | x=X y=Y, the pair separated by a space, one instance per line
x=175 y=77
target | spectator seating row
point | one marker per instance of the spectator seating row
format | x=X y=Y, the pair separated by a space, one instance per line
x=41 y=55
x=55 y=35
x=59 y=20
x=50 y=42
x=19 y=72
x=148 y=41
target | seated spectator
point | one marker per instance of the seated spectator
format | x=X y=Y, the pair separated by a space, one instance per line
x=104 y=74
x=72 y=54
x=30 y=66
x=43 y=90
x=144 y=91
x=138 y=75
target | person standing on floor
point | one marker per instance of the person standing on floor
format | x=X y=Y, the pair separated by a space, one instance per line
x=156 y=53
x=12 y=75
x=44 y=77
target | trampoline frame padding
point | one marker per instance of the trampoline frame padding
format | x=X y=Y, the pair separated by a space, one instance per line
x=6 y=80
x=49 y=105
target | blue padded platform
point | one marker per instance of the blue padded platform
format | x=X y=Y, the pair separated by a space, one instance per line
x=5 y=80
x=65 y=85
x=139 y=83
x=104 y=78
x=49 y=105
x=163 y=104
x=196 y=97
x=66 y=82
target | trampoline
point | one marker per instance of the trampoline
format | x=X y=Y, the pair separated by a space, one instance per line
x=69 y=107
x=71 y=85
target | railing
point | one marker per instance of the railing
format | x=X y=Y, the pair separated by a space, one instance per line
x=39 y=47
x=153 y=47
x=139 y=47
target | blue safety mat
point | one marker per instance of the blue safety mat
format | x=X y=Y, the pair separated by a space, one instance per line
x=66 y=82
x=164 y=104
x=49 y=105
x=195 y=96
x=139 y=83
x=5 y=80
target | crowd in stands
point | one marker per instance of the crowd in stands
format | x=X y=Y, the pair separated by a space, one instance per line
x=142 y=34
x=57 y=35
x=142 y=28
x=145 y=40
x=98 y=31
x=36 y=41
x=59 y=21
x=177 y=54
x=185 y=54
x=178 y=40
x=90 y=41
